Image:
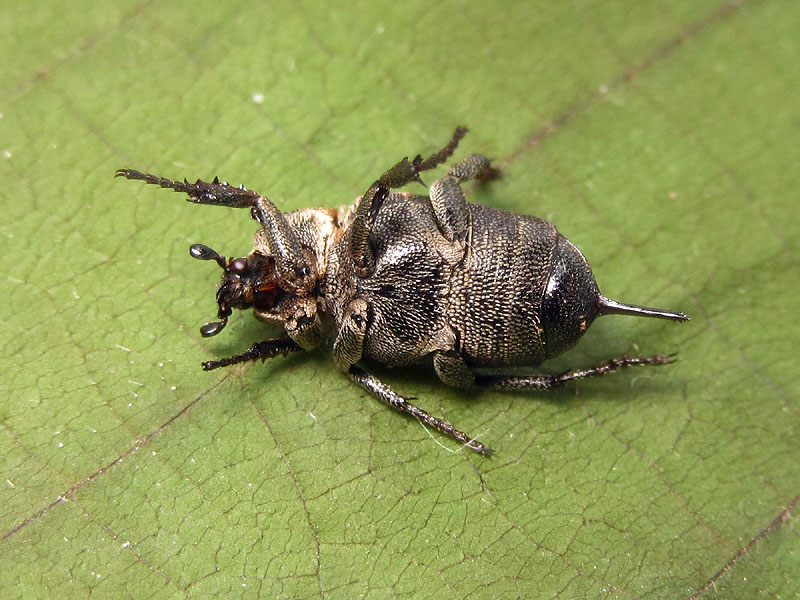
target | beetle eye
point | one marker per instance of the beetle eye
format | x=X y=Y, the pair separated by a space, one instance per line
x=239 y=265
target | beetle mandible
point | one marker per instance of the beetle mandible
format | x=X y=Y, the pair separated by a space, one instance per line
x=401 y=279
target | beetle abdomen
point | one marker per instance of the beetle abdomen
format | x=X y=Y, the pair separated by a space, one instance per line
x=570 y=300
x=496 y=296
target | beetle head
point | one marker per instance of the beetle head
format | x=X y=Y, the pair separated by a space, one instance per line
x=246 y=282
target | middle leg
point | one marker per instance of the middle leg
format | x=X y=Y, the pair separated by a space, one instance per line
x=386 y=395
x=262 y=350
x=399 y=175
x=448 y=200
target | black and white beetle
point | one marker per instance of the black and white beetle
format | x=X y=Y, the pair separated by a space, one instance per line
x=401 y=278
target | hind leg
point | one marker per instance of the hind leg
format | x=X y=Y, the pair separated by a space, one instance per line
x=546 y=382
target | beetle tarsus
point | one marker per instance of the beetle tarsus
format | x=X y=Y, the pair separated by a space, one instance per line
x=407 y=171
x=442 y=155
x=546 y=382
x=263 y=350
x=401 y=404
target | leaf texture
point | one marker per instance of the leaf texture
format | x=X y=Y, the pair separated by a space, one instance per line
x=661 y=138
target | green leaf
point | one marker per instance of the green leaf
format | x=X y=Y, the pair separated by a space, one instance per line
x=661 y=138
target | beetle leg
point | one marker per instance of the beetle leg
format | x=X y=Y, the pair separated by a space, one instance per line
x=289 y=259
x=262 y=350
x=360 y=250
x=452 y=369
x=306 y=331
x=475 y=166
x=399 y=175
x=348 y=349
x=448 y=200
x=384 y=393
x=546 y=382
x=217 y=192
x=349 y=344
x=450 y=208
x=295 y=272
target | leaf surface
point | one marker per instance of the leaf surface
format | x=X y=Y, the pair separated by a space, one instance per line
x=661 y=138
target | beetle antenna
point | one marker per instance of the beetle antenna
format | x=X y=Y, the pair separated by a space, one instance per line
x=611 y=307
x=213 y=328
x=203 y=252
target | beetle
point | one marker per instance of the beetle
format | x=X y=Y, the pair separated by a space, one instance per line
x=399 y=279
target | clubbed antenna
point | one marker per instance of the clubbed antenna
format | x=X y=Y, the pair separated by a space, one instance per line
x=203 y=252
x=611 y=307
x=213 y=328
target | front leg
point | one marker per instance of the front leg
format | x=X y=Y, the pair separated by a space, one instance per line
x=262 y=350
x=296 y=273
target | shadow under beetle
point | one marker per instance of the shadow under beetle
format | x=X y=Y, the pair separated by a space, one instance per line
x=403 y=278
